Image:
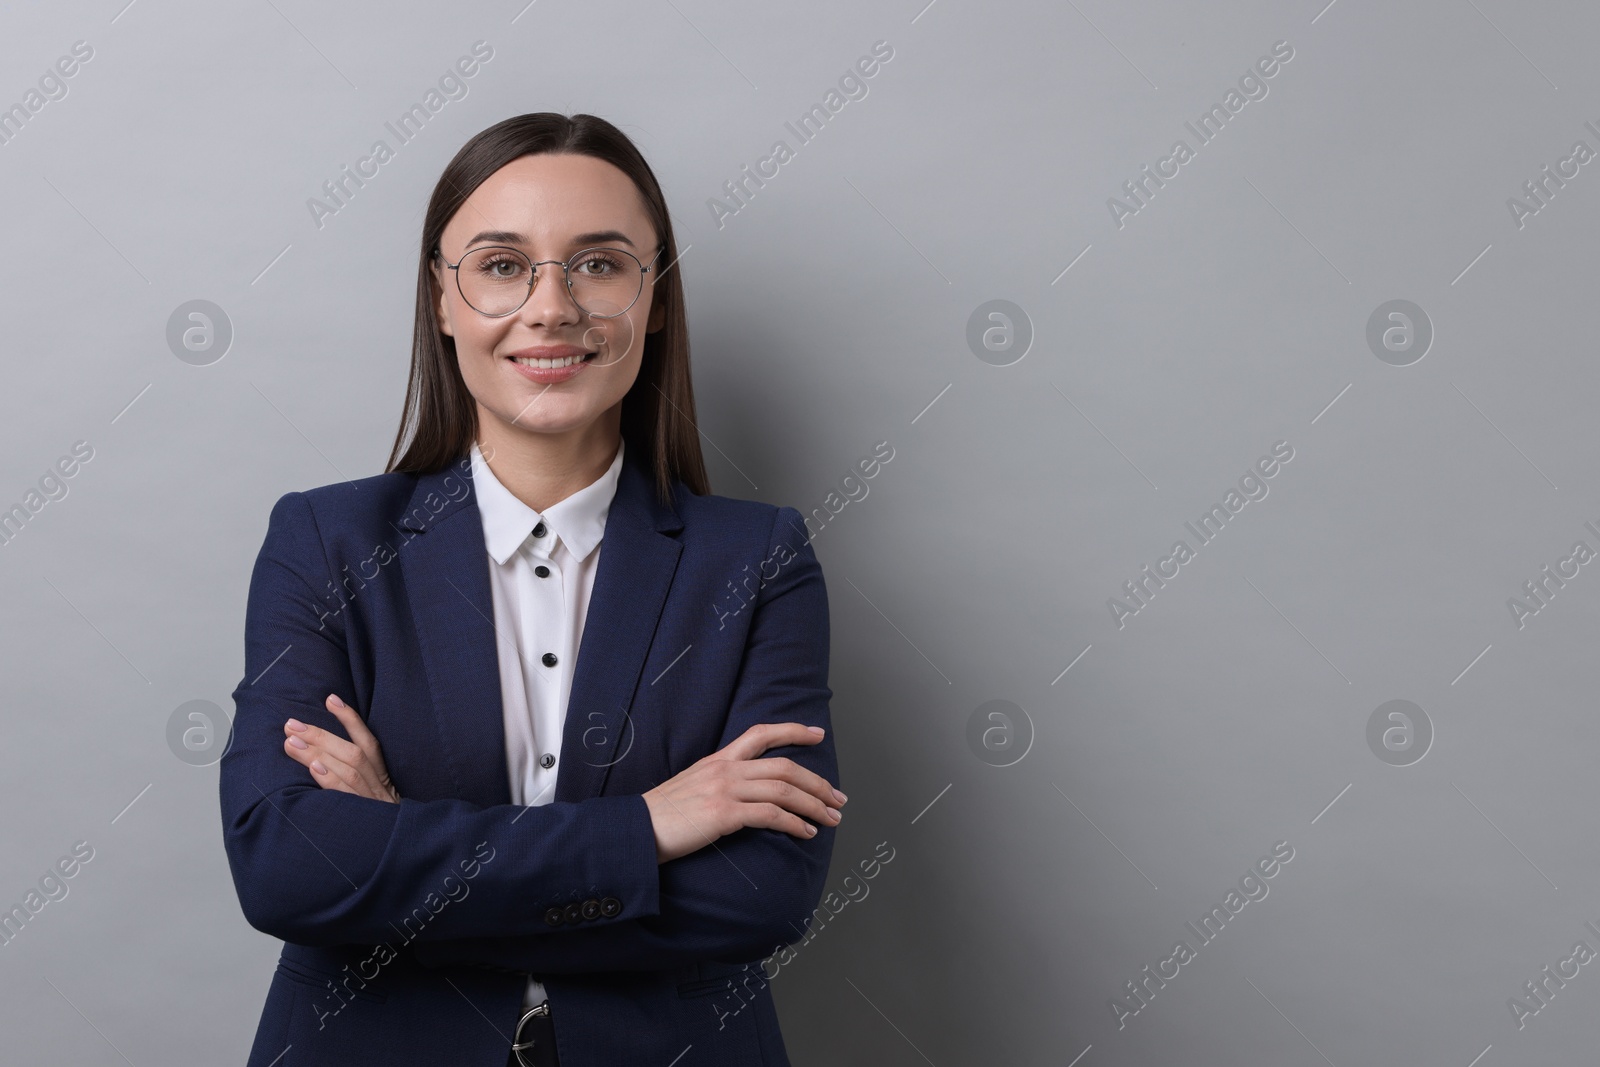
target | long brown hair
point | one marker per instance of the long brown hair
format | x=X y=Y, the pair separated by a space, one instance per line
x=440 y=418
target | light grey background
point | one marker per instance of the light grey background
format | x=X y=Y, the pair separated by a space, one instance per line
x=830 y=314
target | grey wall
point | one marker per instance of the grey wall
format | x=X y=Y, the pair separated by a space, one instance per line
x=1141 y=766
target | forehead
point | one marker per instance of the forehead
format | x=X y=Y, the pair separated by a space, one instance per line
x=550 y=199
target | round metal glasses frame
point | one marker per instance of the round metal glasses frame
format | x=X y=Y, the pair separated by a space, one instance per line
x=566 y=274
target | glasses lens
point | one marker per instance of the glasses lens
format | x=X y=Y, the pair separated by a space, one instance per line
x=605 y=281
x=494 y=281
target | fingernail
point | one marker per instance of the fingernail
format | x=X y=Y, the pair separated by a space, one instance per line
x=841 y=797
x=297 y=743
x=317 y=766
x=819 y=731
x=811 y=831
x=836 y=813
x=337 y=702
x=296 y=725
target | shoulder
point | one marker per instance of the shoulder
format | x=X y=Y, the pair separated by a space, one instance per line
x=363 y=501
x=316 y=526
x=724 y=518
x=743 y=553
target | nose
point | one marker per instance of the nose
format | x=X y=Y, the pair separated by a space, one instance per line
x=550 y=303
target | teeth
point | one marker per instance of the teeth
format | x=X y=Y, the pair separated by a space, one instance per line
x=549 y=364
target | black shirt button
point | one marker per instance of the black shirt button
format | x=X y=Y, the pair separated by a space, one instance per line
x=554 y=916
x=542 y=571
x=591 y=909
x=574 y=913
x=548 y=659
x=538 y=531
x=610 y=906
x=547 y=760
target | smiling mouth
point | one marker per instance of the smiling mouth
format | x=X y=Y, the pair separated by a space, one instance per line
x=551 y=364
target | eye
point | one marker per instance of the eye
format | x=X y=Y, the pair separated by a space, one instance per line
x=598 y=265
x=501 y=267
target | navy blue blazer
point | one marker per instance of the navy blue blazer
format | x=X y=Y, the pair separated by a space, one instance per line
x=409 y=929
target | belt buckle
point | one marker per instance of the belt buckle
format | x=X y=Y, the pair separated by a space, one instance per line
x=518 y=1045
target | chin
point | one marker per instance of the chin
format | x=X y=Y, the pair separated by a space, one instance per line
x=545 y=416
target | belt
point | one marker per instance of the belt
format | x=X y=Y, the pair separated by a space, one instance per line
x=535 y=1042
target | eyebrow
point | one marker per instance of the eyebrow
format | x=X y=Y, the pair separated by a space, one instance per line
x=509 y=237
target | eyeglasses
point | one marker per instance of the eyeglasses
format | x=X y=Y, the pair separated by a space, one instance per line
x=497 y=280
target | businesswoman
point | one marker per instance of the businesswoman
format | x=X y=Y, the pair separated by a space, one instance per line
x=530 y=762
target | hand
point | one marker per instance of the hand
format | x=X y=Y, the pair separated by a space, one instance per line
x=354 y=766
x=731 y=789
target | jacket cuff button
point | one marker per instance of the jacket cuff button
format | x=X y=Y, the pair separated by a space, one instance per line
x=554 y=916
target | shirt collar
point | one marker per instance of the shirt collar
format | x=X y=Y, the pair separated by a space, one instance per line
x=579 y=520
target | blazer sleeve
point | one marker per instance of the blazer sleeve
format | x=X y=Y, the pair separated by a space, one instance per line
x=323 y=867
x=754 y=890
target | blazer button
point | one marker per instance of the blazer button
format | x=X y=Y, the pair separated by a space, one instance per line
x=574 y=913
x=554 y=916
x=591 y=909
x=610 y=906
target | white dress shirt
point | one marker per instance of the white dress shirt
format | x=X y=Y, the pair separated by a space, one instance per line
x=541 y=574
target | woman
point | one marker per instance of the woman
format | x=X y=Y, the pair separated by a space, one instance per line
x=529 y=763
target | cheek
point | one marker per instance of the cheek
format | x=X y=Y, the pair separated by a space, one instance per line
x=620 y=341
x=638 y=324
x=475 y=343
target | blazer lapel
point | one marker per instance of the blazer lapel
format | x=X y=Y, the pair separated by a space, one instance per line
x=446 y=572
x=638 y=558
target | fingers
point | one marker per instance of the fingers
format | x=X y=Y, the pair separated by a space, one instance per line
x=308 y=738
x=787 y=770
x=355 y=766
x=731 y=789
x=350 y=719
x=792 y=799
x=765 y=735
x=774 y=817
x=329 y=771
x=332 y=772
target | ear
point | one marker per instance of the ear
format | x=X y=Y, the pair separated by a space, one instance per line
x=658 y=315
x=441 y=306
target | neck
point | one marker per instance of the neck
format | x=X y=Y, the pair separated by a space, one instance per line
x=541 y=469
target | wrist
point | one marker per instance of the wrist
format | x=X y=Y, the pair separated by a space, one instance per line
x=651 y=798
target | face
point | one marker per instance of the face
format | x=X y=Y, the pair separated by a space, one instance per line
x=520 y=368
